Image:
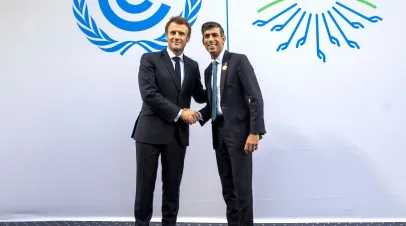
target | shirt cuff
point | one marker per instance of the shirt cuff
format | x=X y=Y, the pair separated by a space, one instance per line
x=179 y=114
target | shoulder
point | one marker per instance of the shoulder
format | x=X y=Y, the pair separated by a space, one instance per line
x=150 y=57
x=239 y=60
x=237 y=56
x=190 y=61
x=152 y=54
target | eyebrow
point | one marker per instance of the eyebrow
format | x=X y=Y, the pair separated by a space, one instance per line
x=178 y=31
x=213 y=33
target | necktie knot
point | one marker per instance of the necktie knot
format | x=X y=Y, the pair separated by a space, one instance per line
x=176 y=59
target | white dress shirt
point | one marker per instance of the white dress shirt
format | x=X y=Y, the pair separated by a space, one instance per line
x=182 y=64
x=182 y=73
x=219 y=60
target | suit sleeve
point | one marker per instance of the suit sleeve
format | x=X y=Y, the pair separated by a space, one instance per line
x=253 y=91
x=205 y=114
x=150 y=92
x=199 y=94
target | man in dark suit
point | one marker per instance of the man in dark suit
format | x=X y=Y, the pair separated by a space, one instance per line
x=236 y=109
x=167 y=81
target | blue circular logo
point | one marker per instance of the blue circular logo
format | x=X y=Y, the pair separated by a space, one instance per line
x=101 y=39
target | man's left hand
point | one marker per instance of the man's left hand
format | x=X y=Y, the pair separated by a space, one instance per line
x=252 y=143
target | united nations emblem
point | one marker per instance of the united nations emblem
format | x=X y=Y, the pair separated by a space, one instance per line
x=101 y=39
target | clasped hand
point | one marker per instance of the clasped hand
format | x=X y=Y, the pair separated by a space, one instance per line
x=190 y=116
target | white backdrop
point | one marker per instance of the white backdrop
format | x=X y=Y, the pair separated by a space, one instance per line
x=335 y=143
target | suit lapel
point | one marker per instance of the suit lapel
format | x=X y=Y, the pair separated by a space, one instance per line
x=169 y=65
x=208 y=77
x=187 y=71
x=224 y=70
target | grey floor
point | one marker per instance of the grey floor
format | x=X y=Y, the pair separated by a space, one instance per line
x=110 y=223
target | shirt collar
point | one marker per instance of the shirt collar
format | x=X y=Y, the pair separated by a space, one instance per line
x=172 y=55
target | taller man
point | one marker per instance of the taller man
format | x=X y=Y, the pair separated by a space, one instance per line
x=167 y=81
x=236 y=109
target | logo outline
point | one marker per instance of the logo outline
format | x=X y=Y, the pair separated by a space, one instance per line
x=103 y=41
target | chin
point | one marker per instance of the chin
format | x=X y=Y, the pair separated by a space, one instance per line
x=175 y=48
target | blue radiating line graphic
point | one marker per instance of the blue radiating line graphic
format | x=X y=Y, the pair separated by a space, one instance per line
x=320 y=53
x=372 y=19
x=261 y=23
x=350 y=43
x=285 y=45
x=355 y=25
x=303 y=39
x=280 y=27
x=332 y=39
x=328 y=26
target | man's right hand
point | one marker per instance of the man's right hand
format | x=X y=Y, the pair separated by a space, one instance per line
x=189 y=116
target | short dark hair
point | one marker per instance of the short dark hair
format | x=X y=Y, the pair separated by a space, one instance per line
x=181 y=21
x=211 y=24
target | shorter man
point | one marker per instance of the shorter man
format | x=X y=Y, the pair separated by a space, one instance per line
x=236 y=109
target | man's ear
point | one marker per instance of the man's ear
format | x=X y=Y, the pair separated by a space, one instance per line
x=224 y=38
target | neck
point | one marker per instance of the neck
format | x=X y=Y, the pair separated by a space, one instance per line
x=215 y=55
x=177 y=53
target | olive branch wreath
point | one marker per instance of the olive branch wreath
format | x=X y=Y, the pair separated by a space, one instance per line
x=99 y=38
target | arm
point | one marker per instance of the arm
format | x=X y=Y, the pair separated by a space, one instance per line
x=205 y=114
x=251 y=87
x=199 y=94
x=150 y=92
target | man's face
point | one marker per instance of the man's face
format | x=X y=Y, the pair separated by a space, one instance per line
x=177 y=37
x=213 y=41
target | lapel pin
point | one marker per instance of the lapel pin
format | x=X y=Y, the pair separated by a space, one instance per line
x=225 y=66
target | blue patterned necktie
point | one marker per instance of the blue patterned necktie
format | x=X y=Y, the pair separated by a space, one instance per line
x=214 y=92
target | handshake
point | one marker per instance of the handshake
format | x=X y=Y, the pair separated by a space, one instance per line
x=189 y=116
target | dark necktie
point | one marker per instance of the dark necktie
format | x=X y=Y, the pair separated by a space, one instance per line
x=177 y=68
x=214 y=92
